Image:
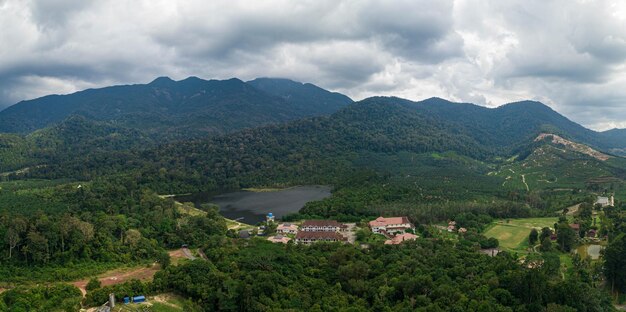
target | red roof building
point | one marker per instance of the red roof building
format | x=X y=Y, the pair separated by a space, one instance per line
x=322 y=226
x=391 y=225
x=309 y=237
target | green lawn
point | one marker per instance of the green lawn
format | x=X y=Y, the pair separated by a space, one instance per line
x=513 y=233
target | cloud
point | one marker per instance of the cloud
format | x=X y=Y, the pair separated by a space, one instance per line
x=569 y=54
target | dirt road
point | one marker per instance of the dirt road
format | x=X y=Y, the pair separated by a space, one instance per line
x=188 y=254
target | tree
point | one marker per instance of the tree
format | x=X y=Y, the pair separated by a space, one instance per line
x=545 y=232
x=37 y=246
x=533 y=237
x=12 y=238
x=14 y=233
x=565 y=236
x=132 y=237
x=94 y=283
x=615 y=262
x=164 y=259
x=546 y=245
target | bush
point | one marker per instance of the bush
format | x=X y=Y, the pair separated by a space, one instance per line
x=94 y=283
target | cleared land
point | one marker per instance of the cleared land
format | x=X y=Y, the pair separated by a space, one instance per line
x=119 y=276
x=513 y=234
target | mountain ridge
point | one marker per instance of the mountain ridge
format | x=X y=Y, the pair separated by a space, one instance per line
x=188 y=108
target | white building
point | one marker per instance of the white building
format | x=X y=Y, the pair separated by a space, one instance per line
x=309 y=237
x=287 y=228
x=605 y=201
x=322 y=226
x=391 y=225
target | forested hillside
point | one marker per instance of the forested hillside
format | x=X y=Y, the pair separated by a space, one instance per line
x=168 y=109
x=80 y=197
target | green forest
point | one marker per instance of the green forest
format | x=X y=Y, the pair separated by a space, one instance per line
x=85 y=196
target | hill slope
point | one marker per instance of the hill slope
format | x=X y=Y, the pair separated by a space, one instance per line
x=175 y=109
x=510 y=125
x=306 y=97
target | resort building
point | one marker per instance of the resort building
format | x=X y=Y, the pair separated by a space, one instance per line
x=322 y=226
x=287 y=228
x=391 y=225
x=605 y=201
x=279 y=239
x=309 y=237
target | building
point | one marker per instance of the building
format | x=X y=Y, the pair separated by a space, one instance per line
x=270 y=217
x=244 y=234
x=322 y=226
x=391 y=225
x=309 y=237
x=591 y=233
x=605 y=201
x=398 y=239
x=451 y=226
x=279 y=239
x=287 y=228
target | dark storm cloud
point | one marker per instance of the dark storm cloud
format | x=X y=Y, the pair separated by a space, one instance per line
x=569 y=54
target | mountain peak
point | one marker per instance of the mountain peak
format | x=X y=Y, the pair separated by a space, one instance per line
x=527 y=104
x=162 y=81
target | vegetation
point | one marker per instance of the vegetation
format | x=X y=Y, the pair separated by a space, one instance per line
x=66 y=215
x=424 y=274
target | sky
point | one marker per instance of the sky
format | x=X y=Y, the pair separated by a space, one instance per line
x=570 y=55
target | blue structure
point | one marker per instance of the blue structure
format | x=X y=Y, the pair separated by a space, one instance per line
x=126 y=300
x=139 y=299
x=270 y=217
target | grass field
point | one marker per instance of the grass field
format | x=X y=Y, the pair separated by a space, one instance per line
x=513 y=233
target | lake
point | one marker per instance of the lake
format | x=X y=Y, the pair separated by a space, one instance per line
x=254 y=206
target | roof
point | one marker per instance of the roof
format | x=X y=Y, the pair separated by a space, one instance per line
x=287 y=226
x=380 y=221
x=319 y=235
x=244 y=234
x=575 y=226
x=321 y=223
x=400 y=238
x=279 y=239
x=602 y=200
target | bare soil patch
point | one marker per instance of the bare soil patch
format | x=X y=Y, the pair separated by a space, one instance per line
x=120 y=276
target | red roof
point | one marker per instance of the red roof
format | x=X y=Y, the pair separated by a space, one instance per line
x=575 y=226
x=320 y=223
x=380 y=221
x=319 y=235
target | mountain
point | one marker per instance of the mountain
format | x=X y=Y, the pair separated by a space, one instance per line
x=616 y=135
x=178 y=109
x=511 y=124
x=319 y=149
x=311 y=150
x=306 y=97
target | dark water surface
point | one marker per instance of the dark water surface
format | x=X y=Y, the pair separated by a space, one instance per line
x=254 y=206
